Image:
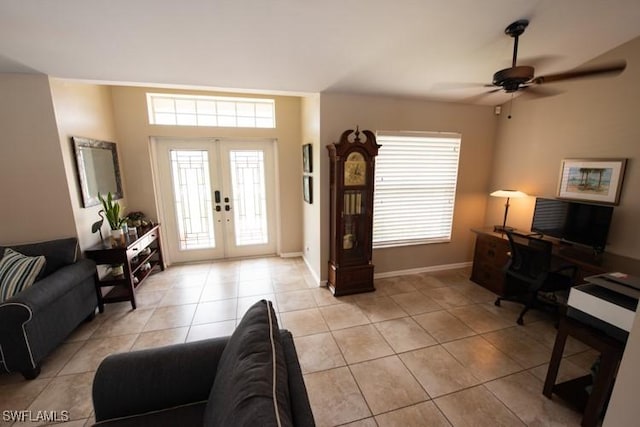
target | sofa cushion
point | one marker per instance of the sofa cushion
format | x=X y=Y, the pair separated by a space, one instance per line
x=17 y=272
x=58 y=253
x=251 y=384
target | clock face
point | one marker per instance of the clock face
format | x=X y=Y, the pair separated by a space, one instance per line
x=355 y=170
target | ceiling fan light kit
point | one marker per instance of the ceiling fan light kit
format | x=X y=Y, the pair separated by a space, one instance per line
x=511 y=79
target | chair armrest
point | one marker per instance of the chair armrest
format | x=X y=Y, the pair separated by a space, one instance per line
x=133 y=383
x=40 y=295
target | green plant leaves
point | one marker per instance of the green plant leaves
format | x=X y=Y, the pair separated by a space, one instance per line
x=112 y=211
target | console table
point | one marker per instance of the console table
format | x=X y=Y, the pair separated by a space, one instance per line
x=492 y=253
x=139 y=257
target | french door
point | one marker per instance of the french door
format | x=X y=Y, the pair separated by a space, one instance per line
x=217 y=197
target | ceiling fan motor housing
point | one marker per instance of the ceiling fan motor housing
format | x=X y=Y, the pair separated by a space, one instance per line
x=512 y=78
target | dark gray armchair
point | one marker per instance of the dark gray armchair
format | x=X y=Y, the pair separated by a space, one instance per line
x=241 y=380
x=35 y=321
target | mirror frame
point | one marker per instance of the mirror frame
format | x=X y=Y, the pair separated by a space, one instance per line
x=79 y=143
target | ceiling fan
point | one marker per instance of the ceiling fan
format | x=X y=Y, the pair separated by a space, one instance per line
x=519 y=77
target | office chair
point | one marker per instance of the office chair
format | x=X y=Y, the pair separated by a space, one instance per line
x=528 y=274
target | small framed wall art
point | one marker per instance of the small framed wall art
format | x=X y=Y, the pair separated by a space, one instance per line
x=307 y=158
x=307 y=188
x=592 y=180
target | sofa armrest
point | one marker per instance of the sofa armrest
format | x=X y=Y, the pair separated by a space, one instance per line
x=301 y=412
x=31 y=323
x=138 y=382
x=52 y=287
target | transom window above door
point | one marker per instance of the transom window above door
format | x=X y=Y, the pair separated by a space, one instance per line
x=215 y=111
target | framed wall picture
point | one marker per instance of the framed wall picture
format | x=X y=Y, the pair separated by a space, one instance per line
x=307 y=158
x=592 y=180
x=307 y=188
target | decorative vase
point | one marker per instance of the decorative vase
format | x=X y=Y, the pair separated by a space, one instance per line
x=117 y=237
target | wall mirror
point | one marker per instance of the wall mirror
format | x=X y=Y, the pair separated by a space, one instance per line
x=98 y=169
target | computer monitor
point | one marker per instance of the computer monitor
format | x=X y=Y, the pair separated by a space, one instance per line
x=574 y=222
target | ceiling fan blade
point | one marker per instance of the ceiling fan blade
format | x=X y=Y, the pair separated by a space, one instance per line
x=600 y=71
x=539 y=92
x=449 y=86
x=479 y=97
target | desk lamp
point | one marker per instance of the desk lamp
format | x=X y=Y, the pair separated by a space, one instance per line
x=508 y=194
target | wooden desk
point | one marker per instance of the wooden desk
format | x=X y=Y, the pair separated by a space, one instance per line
x=491 y=255
x=573 y=391
x=139 y=258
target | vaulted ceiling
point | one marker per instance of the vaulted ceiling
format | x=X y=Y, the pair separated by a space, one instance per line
x=434 y=49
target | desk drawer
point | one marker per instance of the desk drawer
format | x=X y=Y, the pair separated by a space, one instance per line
x=489 y=277
x=492 y=251
x=490 y=256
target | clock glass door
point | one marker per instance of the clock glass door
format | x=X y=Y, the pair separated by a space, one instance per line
x=354 y=225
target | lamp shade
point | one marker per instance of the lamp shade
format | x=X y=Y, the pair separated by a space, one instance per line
x=508 y=193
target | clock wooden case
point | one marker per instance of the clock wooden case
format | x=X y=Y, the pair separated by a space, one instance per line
x=352 y=165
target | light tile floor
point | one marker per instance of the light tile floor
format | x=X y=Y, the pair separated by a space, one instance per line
x=423 y=349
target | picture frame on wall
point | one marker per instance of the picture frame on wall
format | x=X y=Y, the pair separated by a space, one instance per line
x=592 y=180
x=307 y=158
x=307 y=188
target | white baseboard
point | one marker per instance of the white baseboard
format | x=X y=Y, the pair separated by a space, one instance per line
x=291 y=255
x=430 y=269
x=316 y=279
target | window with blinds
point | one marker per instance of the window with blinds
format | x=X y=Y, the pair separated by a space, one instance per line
x=415 y=187
x=219 y=111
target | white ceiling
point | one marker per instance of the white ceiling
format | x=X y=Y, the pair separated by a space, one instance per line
x=418 y=48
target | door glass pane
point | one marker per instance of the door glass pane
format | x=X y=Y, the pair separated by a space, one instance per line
x=249 y=196
x=192 y=191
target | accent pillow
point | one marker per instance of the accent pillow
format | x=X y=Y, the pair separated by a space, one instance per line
x=251 y=385
x=17 y=272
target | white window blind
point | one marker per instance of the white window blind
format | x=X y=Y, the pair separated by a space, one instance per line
x=415 y=188
x=219 y=111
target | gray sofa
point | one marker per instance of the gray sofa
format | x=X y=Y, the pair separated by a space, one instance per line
x=232 y=381
x=35 y=321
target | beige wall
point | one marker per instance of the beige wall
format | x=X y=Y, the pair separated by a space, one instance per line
x=476 y=124
x=82 y=110
x=312 y=233
x=593 y=118
x=35 y=196
x=134 y=132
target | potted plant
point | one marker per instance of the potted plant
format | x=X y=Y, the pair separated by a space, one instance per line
x=135 y=219
x=111 y=209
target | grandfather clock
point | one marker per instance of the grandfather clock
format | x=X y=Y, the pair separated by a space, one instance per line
x=352 y=163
